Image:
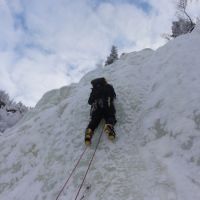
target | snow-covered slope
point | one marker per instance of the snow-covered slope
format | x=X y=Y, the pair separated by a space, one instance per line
x=156 y=155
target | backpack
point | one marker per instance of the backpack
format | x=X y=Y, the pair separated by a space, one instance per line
x=101 y=92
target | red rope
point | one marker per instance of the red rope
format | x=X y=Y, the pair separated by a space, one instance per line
x=71 y=173
x=89 y=165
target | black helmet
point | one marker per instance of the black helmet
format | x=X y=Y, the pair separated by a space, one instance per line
x=98 y=82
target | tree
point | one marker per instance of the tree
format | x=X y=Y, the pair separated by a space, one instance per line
x=184 y=24
x=4 y=98
x=10 y=111
x=181 y=27
x=182 y=4
x=113 y=56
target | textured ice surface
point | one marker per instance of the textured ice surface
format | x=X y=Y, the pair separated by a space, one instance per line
x=157 y=152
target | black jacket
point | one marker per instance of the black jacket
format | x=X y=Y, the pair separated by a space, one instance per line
x=101 y=99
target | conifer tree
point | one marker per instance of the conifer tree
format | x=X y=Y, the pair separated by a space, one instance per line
x=184 y=24
x=113 y=56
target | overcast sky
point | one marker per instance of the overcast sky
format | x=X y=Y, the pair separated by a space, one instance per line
x=46 y=44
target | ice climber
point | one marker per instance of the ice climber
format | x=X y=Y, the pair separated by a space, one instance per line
x=102 y=107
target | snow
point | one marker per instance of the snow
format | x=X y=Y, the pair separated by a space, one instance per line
x=10 y=111
x=157 y=152
x=10 y=116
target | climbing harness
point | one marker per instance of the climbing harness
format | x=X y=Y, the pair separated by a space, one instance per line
x=73 y=170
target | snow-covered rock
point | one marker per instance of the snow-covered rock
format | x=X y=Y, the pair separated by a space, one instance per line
x=157 y=153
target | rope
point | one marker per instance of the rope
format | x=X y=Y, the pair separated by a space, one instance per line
x=71 y=173
x=89 y=165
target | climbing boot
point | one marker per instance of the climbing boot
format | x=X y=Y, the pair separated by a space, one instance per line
x=88 y=136
x=109 y=130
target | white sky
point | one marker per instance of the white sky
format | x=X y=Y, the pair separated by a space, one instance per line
x=51 y=43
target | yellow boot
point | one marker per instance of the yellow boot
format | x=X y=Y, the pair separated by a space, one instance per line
x=109 y=129
x=88 y=136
